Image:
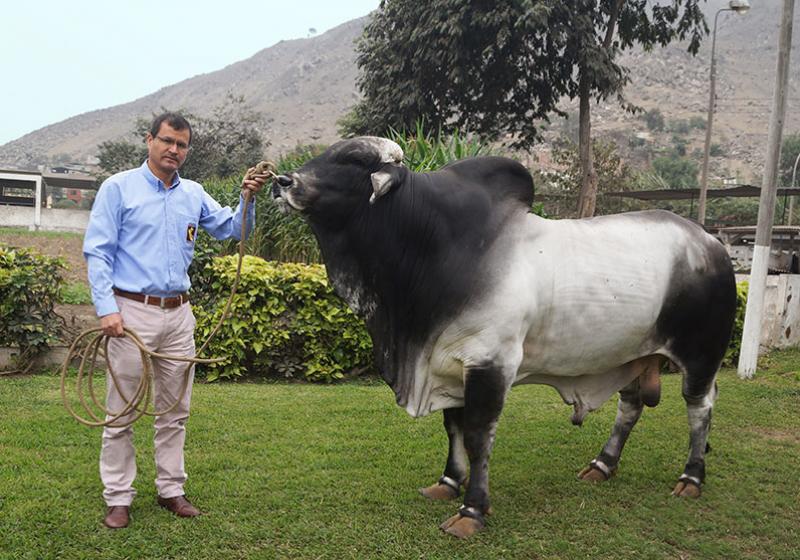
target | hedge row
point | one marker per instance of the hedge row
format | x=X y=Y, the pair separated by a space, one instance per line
x=285 y=320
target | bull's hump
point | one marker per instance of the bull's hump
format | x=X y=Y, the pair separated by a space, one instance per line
x=503 y=179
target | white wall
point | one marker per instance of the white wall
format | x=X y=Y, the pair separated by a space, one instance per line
x=780 y=324
x=55 y=219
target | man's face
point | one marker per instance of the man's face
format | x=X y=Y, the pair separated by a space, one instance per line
x=168 y=149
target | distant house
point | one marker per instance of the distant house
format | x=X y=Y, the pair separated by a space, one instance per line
x=26 y=197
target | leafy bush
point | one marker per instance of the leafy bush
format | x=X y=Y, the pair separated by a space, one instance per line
x=716 y=150
x=29 y=288
x=697 y=122
x=285 y=321
x=654 y=120
x=680 y=126
x=75 y=293
x=677 y=172
x=735 y=346
x=678 y=145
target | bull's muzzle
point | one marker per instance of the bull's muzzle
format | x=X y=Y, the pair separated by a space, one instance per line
x=280 y=181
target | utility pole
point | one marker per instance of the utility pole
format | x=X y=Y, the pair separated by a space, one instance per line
x=740 y=7
x=748 y=358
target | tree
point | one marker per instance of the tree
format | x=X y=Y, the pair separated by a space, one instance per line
x=225 y=143
x=117 y=155
x=612 y=173
x=496 y=68
x=677 y=172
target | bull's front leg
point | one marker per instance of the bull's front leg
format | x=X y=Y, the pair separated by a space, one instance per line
x=449 y=485
x=485 y=390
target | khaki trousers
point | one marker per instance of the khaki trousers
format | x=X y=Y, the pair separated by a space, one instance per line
x=166 y=331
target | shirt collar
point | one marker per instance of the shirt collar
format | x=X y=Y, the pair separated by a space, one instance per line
x=155 y=181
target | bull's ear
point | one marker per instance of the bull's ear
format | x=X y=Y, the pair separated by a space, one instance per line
x=384 y=180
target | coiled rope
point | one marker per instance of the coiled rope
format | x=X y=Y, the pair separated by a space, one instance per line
x=89 y=343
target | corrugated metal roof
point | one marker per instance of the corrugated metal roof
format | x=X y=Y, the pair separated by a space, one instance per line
x=70 y=180
x=687 y=194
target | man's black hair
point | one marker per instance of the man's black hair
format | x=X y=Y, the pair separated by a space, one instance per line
x=175 y=120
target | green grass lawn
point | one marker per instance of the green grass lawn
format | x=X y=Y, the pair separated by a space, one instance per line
x=302 y=471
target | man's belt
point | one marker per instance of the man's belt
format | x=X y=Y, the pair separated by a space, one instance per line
x=162 y=302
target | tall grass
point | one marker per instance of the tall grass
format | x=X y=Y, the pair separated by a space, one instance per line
x=428 y=151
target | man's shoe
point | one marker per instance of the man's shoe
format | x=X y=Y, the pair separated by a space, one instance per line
x=117 y=517
x=180 y=506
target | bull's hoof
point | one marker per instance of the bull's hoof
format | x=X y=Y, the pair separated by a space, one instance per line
x=439 y=492
x=687 y=488
x=464 y=526
x=596 y=472
x=446 y=488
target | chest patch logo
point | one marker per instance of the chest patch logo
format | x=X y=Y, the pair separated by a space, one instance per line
x=191 y=231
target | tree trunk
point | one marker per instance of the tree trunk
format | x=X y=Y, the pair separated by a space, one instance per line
x=588 y=194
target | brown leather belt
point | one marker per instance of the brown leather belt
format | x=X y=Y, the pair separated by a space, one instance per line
x=162 y=302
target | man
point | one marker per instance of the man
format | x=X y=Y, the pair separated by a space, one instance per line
x=138 y=247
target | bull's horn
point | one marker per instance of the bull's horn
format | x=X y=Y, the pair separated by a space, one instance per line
x=390 y=152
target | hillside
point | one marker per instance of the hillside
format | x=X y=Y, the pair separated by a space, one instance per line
x=300 y=86
x=303 y=86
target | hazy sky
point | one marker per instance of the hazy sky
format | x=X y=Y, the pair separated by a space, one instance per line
x=60 y=58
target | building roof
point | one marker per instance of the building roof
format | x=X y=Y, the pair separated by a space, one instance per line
x=63 y=180
x=687 y=194
x=70 y=180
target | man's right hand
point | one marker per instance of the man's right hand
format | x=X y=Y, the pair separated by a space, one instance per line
x=112 y=325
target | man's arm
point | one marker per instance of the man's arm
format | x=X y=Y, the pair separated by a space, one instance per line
x=99 y=248
x=220 y=222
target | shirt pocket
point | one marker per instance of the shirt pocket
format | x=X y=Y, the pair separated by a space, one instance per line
x=186 y=235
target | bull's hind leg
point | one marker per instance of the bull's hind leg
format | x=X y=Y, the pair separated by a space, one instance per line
x=644 y=390
x=629 y=409
x=699 y=395
x=485 y=390
x=449 y=485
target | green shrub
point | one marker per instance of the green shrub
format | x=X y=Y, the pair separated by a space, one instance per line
x=697 y=122
x=285 y=321
x=75 y=293
x=29 y=288
x=732 y=354
x=680 y=126
x=677 y=172
x=654 y=120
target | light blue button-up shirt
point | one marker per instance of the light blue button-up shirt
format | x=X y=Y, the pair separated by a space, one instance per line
x=141 y=235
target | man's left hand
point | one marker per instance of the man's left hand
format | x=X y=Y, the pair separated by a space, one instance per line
x=254 y=181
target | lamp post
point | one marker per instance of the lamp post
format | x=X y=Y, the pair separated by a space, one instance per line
x=740 y=7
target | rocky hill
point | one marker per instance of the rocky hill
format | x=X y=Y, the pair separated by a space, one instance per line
x=303 y=86
x=677 y=84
